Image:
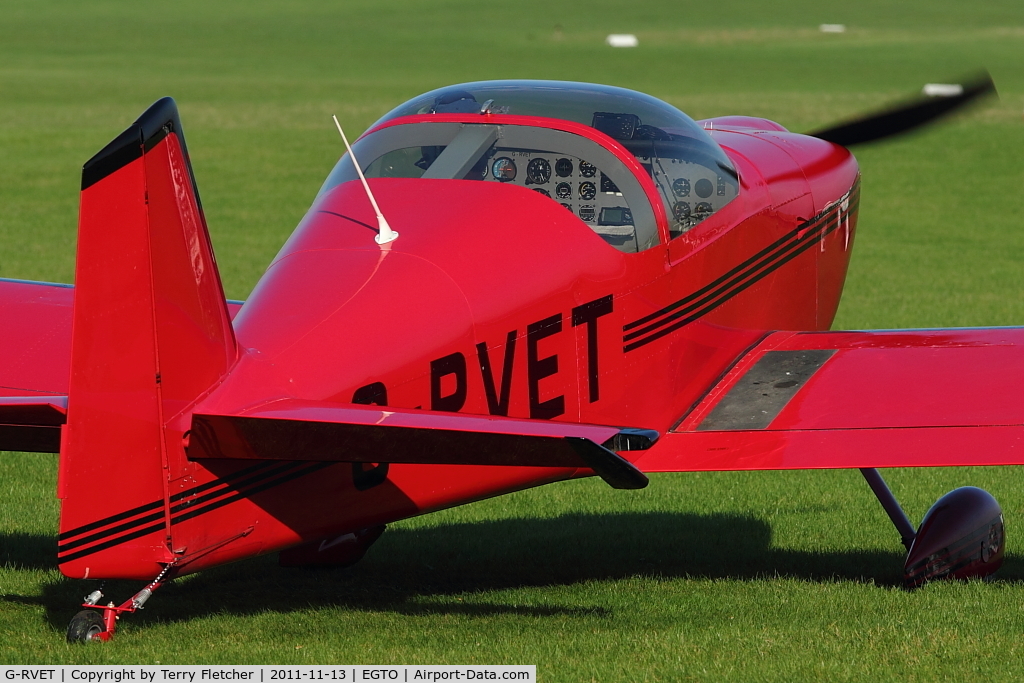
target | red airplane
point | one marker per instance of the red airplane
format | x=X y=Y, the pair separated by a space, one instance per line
x=531 y=282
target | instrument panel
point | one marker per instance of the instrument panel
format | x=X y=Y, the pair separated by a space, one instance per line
x=692 y=191
x=575 y=183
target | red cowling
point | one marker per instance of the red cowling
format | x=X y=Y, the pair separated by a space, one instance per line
x=961 y=537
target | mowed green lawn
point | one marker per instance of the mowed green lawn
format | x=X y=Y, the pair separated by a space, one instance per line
x=720 y=576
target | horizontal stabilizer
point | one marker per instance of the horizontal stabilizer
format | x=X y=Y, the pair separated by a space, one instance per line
x=32 y=423
x=300 y=430
x=897 y=398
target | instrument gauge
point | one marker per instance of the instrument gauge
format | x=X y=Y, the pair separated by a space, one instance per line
x=681 y=210
x=681 y=186
x=563 y=167
x=587 y=169
x=563 y=190
x=503 y=169
x=568 y=206
x=538 y=171
x=588 y=190
x=702 y=210
x=542 y=191
x=703 y=188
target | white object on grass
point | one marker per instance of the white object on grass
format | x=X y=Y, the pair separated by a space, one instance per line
x=943 y=89
x=622 y=40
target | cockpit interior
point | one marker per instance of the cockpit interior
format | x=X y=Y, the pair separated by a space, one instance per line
x=693 y=175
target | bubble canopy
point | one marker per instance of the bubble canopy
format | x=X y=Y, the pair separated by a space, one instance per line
x=566 y=100
x=647 y=127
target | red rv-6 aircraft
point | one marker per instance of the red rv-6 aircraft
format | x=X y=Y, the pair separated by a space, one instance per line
x=536 y=281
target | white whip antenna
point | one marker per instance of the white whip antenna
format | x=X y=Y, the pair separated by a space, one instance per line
x=385 y=234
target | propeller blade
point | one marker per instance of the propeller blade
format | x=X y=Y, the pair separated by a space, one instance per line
x=905 y=117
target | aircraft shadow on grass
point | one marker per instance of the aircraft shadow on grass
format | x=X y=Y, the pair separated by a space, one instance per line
x=425 y=571
x=19 y=550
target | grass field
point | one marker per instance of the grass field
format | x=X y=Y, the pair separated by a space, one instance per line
x=720 y=576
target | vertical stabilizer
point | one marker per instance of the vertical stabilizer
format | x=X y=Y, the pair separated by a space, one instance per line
x=151 y=333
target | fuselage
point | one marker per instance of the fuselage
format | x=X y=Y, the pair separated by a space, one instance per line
x=491 y=276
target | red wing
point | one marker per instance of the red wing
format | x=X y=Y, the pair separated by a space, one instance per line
x=36 y=342
x=36 y=350
x=858 y=399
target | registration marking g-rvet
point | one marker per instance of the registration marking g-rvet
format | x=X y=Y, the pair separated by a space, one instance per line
x=496 y=372
x=30 y=674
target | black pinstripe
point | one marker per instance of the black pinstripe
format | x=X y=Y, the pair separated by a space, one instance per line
x=707 y=298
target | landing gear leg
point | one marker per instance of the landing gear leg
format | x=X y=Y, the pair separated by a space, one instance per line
x=891 y=506
x=90 y=625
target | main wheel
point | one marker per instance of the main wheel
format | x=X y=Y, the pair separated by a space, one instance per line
x=85 y=626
